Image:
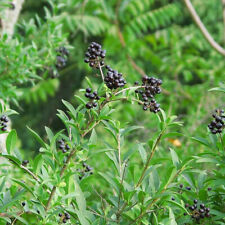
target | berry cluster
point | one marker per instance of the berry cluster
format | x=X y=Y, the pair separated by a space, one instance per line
x=62 y=57
x=217 y=125
x=25 y=162
x=197 y=212
x=87 y=170
x=3 y=122
x=64 y=217
x=95 y=55
x=151 y=87
x=63 y=146
x=113 y=79
x=92 y=96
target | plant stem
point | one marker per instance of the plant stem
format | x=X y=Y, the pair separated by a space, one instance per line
x=155 y=200
x=61 y=174
x=102 y=74
x=149 y=159
x=119 y=153
x=130 y=88
x=223 y=146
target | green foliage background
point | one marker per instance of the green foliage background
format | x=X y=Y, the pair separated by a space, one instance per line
x=159 y=36
x=150 y=37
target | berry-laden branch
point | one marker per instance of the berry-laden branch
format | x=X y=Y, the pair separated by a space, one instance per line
x=113 y=80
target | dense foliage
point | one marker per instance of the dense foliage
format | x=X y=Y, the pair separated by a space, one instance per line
x=115 y=153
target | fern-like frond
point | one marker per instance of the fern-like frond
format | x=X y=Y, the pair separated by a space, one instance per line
x=88 y=24
x=154 y=19
x=133 y=8
x=41 y=91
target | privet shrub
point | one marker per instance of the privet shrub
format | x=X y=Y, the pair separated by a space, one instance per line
x=133 y=183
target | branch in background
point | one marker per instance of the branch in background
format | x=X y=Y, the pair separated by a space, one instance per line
x=203 y=29
x=10 y=17
x=223 y=4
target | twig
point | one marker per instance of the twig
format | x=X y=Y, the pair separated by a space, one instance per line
x=149 y=159
x=130 y=88
x=155 y=200
x=61 y=174
x=119 y=153
x=223 y=5
x=30 y=173
x=100 y=69
x=120 y=193
x=203 y=29
x=87 y=131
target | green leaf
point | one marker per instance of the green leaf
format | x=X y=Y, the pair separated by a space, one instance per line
x=178 y=205
x=12 y=159
x=220 y=89
x=80 y=99
x=123 y=132
x=201 y=140
x=70 y=108
x=11 y=141
x=36 y=136
x=142 y=152
x=175 y=158
x=172 y=134
x=24 y=185
x=172 y=217
x=80 y=199
x=93 y=138
x=49 y=133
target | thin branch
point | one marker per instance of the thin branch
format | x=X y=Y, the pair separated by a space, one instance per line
x=149 y=159
x=61 y=174
x=10 y=17
x=120 y=193
x=30 y=173
x=119 y=153
x=203 y=29
x=126 y=89
x=223 y=5
x=102 y=74
x=156 y=199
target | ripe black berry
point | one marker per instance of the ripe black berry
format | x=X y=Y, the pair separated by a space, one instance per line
x=60 y=214
x=23 y=204
x=202 y=206
x=67 y=216
x=209 y=188
x=195 y=201
x=113 y=79
x=25 y=162
x=88 y=90
x=188 y=188
x=181 y=185
x=95 y=55
x=64 y=220
x=217 y=125
x=173 y=199
x=88 y=105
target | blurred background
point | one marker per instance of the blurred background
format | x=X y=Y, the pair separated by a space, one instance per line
x=154 y=37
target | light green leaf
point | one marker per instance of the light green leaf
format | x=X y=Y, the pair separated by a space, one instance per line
x=11 y=141
x=36 y=136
